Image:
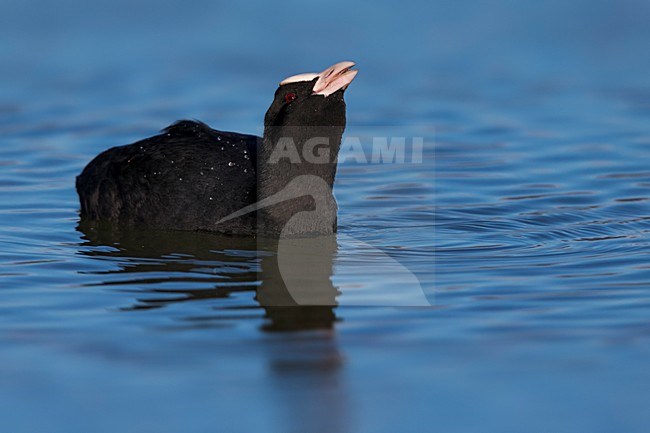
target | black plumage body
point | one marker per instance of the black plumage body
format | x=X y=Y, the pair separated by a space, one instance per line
x=188 y=177
x=193 y=177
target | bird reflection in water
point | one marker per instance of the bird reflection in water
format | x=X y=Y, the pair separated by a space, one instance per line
x=291 y=277
x=291 y=282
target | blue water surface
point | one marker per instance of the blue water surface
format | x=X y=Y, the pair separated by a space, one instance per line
x=500 y=284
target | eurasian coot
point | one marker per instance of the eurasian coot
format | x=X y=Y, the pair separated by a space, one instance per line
x=193 y=177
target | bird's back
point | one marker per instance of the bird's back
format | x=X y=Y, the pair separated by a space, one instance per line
x=188 y=177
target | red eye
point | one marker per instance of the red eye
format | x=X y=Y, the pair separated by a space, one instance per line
x=289 y=97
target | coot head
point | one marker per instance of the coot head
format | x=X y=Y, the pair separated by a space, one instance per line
x=297 y=161
x=311 y=99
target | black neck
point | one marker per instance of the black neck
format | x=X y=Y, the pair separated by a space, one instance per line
x=298 y=166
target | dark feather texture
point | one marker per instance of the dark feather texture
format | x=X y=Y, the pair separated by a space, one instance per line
x=191 y=176
x=188 y=177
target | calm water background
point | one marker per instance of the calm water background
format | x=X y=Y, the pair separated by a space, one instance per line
x=527 y=224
